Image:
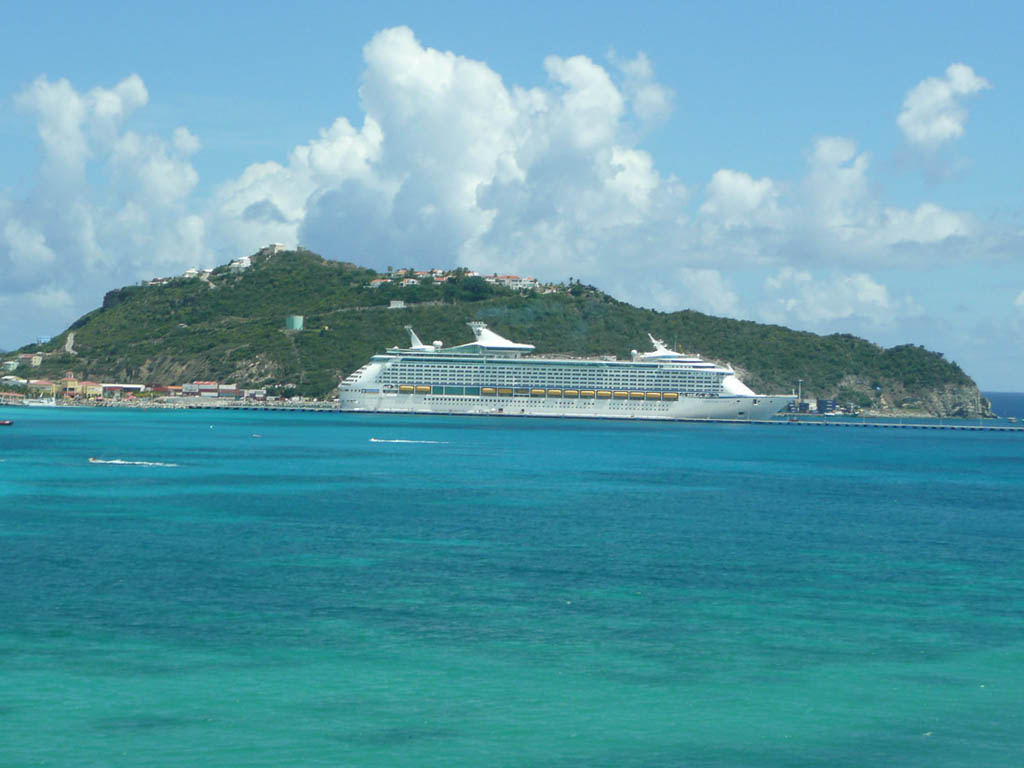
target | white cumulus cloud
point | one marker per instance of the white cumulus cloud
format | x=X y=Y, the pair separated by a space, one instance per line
x=25 y=256
x=798 y=297
x=108 y=206
x=454 y=166
x=933 y=111
x=449 y=165
x=736 y=199
x=649 y=100
x=705 y=290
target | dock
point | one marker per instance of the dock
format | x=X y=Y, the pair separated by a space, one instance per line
x=852 y=423
x=783 y=421
x=820 y=422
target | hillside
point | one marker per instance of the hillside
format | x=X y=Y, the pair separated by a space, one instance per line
x=229 y=327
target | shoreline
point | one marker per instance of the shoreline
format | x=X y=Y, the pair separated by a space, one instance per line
x=927 y=422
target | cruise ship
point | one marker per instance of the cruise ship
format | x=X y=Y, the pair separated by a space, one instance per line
x=495 y=376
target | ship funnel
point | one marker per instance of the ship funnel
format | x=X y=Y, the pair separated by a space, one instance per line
x=414 y=340
x=659 y=345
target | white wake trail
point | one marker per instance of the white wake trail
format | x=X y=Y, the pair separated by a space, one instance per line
x=133 y=463
x=417 y=442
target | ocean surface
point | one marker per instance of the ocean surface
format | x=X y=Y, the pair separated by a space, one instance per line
x=272 y=589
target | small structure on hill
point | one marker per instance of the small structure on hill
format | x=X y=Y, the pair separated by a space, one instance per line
x=294 y=322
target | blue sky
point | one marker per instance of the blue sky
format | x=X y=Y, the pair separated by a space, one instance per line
x=823 y=166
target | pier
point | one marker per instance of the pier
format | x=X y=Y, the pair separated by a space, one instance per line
x=820 y=422
x=852 y=423
x=789 y=421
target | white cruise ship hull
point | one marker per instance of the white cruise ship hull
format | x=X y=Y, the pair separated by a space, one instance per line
x=722 y=407
x=495 y=376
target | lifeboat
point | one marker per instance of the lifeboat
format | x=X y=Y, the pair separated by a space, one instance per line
x=603 y=394
x=554 y=393
x=621 y=395
x=572 y=393
x=636 y=395
x=586 y=393
x=671 y=396
x=654 y=395
x=504 y=391
x=537 y=392
x=406 y=389
x=488 y=391
x=422 y=389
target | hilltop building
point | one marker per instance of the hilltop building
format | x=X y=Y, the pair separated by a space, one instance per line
x=514 y=282
x=407 y=278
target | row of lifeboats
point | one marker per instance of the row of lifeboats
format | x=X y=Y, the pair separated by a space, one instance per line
x=599 y=394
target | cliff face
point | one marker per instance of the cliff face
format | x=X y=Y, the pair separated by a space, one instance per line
x=954 y=400
x=164 y=368
x=951 y=402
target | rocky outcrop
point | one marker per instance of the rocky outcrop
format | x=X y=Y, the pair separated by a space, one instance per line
x=891 y=397
x=951 y=402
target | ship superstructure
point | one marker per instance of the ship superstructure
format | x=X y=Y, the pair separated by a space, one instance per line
x=493 y=375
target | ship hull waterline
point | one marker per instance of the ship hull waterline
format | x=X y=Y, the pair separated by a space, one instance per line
x=685 y=408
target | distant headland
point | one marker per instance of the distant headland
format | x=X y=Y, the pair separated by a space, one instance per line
x=288 y=322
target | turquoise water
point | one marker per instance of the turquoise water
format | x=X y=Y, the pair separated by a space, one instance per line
x=292 y=590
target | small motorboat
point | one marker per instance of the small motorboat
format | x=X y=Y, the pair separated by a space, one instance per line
x=5 y=422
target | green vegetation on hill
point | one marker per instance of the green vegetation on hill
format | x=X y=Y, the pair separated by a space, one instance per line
x=230 y=328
